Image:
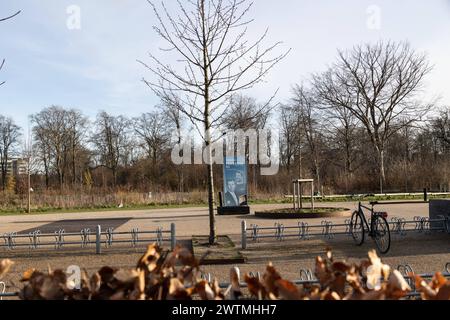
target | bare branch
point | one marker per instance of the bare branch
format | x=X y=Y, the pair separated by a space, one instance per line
x=10 y=17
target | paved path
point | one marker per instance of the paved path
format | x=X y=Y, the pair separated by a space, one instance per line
x=189 y=221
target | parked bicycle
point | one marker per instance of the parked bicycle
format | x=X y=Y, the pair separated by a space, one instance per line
x=377 y=227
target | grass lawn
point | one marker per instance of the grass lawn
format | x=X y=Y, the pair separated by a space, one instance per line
x=8 y=212
x=223 y=252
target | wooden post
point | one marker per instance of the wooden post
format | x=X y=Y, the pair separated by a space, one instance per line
x=312 y=195
x=243 y=235
x=300 y=196
x=294 y=192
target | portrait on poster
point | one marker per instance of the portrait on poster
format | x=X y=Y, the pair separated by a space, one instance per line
x=235 y=182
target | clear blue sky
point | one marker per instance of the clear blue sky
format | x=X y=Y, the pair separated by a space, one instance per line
x=95 y=67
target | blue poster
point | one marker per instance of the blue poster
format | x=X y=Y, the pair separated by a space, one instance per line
x=235 y=182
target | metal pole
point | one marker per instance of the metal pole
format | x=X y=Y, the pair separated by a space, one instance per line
x=221 y=199
x=312 y=195
x=173 y=239
x=29 y=152
x=29 y=186
x=243 y=234
x=98 y=243
x=447 y=224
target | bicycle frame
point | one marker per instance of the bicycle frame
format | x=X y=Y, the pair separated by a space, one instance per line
x=377 y=228
x=363 y=216
x=370 y=229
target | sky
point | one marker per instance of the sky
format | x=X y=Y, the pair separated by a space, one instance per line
x=94 y=67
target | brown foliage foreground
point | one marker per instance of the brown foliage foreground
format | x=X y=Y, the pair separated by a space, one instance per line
x=160 y=275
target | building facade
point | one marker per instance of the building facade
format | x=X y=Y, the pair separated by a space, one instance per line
x=17 y=167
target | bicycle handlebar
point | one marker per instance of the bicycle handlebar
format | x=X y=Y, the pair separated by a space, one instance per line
x=362 y=206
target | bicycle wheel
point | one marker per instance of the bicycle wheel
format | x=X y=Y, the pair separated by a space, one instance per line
x=357 y=228
x=381 y=234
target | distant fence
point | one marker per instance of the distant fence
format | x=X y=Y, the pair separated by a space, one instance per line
x=359 y=196
x=329 y=230
x=87 y=238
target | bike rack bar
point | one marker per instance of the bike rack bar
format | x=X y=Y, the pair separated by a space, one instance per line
x=398 y=226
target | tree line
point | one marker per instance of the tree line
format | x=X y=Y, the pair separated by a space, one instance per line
x=110 y=152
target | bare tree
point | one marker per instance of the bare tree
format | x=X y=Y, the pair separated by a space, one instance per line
x=42 y=151
x=341 y=126
x=441 y=126
x=111 y=141
x=245 y=113
x=10 y=135
x=50 y=125
x=153 y=129
x=378 y=84
x=59 y=134
x=289 y=144
x=76 y=133
x=306 y=108
x=2 y=63
x=172 y=109
x=215 y=61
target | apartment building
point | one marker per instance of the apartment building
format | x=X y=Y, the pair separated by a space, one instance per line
x=17 y=167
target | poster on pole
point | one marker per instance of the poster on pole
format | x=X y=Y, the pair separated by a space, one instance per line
x=235 y=182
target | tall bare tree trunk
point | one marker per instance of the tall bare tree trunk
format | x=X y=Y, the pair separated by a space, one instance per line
x=46 y=169
x=211 y=203
x=317 y=171
x=211 y=200
x=114 y=172
x=4 y=169
x=180 y=168
x=74 y=168
x=207 y=115
x=381 y=169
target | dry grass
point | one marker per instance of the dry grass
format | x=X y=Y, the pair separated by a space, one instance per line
x=97 y=200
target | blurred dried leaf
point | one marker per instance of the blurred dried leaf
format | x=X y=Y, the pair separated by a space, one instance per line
x=160 y=275
x=255 y=287
x=27 y=275
x=5 y=265
x=288 y=290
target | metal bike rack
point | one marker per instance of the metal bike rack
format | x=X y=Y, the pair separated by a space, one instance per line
x=85 y=238
x=328 y=230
